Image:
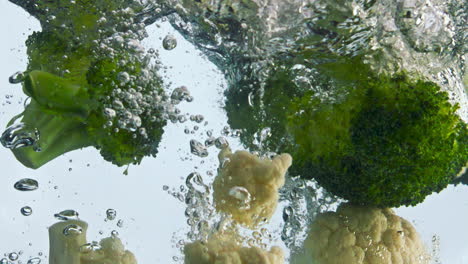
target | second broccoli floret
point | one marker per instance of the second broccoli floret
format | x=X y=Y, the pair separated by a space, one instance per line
x=381 y=140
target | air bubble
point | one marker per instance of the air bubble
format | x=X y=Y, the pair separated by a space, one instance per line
x=72 y=230
x=169 y=42
x=111 y=214
x=26 y=185
x=26 y=211
x=242 y=195
x=67 y=215
x=34 y=261
x=17 y=77
x=221 y=143
x=13 y=256
x=20 y=136
x=198 y=149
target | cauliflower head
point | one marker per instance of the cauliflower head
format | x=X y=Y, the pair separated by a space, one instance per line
x=67 y=241
x=362 y=235
x=223 y=248
x=247 y=186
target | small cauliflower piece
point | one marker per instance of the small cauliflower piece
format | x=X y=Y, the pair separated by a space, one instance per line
x=362 y=235
x=223 y=248
x=67 y=237
x=247 y=186
x=112 y=252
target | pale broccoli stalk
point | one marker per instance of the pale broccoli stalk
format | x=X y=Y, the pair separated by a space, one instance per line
x=67 y=242
x=90 y=83
x=65 y=248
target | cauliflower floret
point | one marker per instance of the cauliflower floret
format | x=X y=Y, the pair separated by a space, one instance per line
x=247 y=186
x=362 y=235
x=112 y=252
x=67 y=238
x=223 y=248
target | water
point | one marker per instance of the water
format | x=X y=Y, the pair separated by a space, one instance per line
x=248 y=40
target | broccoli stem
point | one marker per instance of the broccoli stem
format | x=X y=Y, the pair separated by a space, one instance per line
x=59 y=134
x=57 y=93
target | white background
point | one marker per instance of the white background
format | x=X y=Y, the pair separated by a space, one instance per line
x=153 y=220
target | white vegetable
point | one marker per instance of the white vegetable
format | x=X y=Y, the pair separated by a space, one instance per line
x=66 y=248
x=362 y=235
x=67 y=237
x=222 y=248
x=247 y=186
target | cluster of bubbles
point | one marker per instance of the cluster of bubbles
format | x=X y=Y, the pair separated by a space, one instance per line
x=138 y=101
x=13 y=258
x=303 y=200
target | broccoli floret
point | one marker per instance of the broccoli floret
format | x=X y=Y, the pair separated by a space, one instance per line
x=91 y=86
x=383 y=141
x=391 y=143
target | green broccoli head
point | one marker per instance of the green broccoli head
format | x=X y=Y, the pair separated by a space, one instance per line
x=91 y=90
x=128 y=123
x=391 y=143
x=382 y=141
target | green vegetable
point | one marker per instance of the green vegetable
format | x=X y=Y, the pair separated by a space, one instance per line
x=381 y=140
x=89 y=83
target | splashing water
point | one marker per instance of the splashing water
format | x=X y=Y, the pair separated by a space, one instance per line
x=247 y=39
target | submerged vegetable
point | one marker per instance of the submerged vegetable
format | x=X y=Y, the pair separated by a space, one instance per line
x=224 y=248
x=246 y=189
x=247 y=186
x=364 y=235
x=380 y=140
x=68 y=245
x=90 y=83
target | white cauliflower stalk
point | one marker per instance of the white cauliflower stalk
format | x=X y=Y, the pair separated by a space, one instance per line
x=362 y=235
x=247 y=186
x=67 y=241
x=223 y=248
